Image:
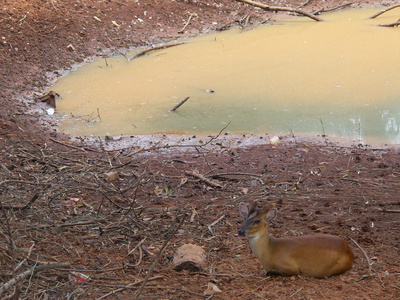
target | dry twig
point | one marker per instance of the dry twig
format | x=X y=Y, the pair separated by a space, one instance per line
x=72 y=146
x=25 y=259
x=210 y=182
x=179 y=104
x=157 y=258
x=365 y=254
x=383 y=11
x=214 y=223
x=156 y=147
x=22 y=207
x=390 y=210
x=128 y=287
x=14 y=281
x=154 y=48
x=278 y=8
x=187 y=23
x=394 y=24
x=322 y=10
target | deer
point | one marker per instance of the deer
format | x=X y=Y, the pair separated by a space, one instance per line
x=319 y=255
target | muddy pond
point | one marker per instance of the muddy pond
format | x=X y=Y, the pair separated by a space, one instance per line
x=340 y=78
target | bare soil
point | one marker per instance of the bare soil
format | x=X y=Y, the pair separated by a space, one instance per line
x=57 y=206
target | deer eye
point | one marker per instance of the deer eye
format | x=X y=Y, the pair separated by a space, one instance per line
x=256 y=222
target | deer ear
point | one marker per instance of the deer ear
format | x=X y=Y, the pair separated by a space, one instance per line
x=243 y=209
x=271 y=214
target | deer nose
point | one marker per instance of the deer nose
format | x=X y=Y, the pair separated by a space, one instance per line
x=241 y=232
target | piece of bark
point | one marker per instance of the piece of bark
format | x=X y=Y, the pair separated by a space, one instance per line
x=49 y=98
x=189 y=257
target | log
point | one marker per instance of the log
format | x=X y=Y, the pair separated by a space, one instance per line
x=189 y=257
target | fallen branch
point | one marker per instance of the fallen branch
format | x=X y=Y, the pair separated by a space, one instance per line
x=25 y=259
x=14 y=281
x=394 y=24
x=179 y=104
x=157 y=258
x=383 y=11
x=210 y=182
x=154 y=48
x=278 y=8
x=23 y=207
x=84 y=149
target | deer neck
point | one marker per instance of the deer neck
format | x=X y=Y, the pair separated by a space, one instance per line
x=260 y=242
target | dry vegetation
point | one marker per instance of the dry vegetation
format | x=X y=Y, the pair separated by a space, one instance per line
x=70 y=229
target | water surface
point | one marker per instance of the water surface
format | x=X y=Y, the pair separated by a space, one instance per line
x=340 y=77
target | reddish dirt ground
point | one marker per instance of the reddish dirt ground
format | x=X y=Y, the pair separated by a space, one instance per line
x=58 y=207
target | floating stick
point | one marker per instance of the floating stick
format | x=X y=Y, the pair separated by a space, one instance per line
x=179 y=104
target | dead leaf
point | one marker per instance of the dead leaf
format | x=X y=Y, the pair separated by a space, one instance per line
x=163 y=192
x=111 y=176
x=244 y=190
x=212 y=289
x=183 y=181
x=75 y=202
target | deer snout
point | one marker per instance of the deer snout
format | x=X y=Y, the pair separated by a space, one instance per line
x=241 y=232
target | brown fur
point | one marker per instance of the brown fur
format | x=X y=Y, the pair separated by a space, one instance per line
x=318 y=256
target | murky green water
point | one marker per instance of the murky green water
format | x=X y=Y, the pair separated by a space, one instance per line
x=340 y=77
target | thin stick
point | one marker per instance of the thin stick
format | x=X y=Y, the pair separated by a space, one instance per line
x=156 y=259
x=154 y=48
x=278 y=8
x=156 y=147
x=137 y=246
x=322 y=10
x=202 y=178
x=128 y=287
x=390 y=210
x=179 y=104
x=187 y=23
x=10 y=236
x=395 y=24
x=89 y=222
x=234 y=174
x=25 y=259
x=365 y=254
x=14 y=281
x=296 y=292
x=23 y=207
x=72 y=146
x=213 y=223
x=323 y=128
x=383 y=11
